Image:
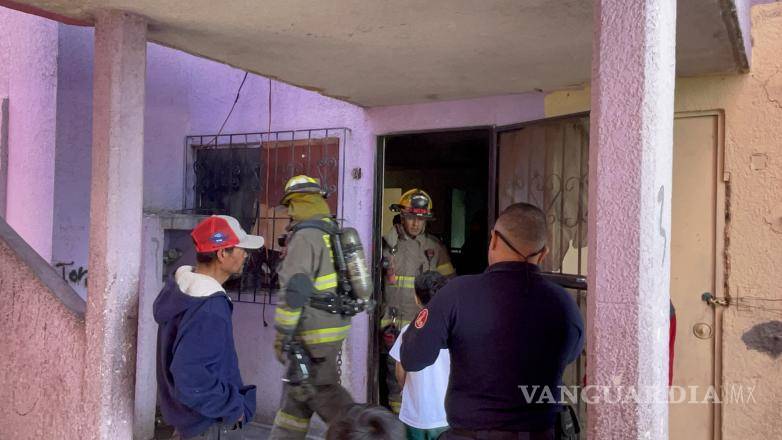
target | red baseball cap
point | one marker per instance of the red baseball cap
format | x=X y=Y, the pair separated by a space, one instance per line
x=220 y=232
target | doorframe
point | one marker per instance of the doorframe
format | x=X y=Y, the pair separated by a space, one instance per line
x=373 y=354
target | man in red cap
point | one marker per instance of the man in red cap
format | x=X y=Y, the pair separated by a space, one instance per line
x=200 y=390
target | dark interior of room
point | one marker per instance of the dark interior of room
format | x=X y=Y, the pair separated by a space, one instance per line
x=452 y=166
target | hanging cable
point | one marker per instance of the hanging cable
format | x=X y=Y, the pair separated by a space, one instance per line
x=268 y=173
x=238 y=91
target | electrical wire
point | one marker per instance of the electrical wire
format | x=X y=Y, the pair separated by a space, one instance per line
x=268 y=173
x=230 y=112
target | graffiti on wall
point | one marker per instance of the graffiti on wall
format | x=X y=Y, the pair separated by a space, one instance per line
x=76 y=275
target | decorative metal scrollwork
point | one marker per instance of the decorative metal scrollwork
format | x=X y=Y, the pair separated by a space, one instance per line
x=243 y=175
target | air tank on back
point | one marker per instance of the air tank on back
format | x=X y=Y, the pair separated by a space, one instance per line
x=360 y=276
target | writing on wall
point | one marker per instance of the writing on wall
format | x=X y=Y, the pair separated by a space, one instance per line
x=75 y=275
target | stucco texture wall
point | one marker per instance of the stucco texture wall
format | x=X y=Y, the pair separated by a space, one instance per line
x=752 y=105
x=30 y=81
x=43 y=346
x=72 y=160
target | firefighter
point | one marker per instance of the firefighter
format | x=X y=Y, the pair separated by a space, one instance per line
x=308 y=270
x=408 y=251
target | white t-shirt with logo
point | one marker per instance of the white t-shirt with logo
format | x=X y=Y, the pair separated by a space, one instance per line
x=423 y=396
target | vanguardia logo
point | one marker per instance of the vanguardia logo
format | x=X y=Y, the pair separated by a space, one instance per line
x=619 y=394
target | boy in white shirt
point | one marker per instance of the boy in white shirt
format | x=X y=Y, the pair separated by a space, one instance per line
x=423 y=392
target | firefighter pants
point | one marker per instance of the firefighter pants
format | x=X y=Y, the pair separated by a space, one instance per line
x=328 y=400
x=293 y=419
x=392 y=391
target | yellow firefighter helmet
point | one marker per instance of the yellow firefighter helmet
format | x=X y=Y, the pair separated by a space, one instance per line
x=301 y=184
x=415 y=203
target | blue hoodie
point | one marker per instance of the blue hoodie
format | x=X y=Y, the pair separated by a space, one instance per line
x=197 y=370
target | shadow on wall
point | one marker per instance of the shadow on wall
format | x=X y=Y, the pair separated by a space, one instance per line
x=43 y=342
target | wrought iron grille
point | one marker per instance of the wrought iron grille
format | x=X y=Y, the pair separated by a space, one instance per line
x=545 y=163
x=243 y=175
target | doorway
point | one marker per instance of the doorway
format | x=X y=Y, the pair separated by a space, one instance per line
x=453 y=167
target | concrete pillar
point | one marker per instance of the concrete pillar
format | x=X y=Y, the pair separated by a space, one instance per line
x=3 y=153
x=629 y=217
x=115 y=222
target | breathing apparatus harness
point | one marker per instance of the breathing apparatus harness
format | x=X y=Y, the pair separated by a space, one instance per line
x=354 y=282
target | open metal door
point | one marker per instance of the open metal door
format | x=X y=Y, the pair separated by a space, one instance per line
x=545 y=163
x=373 y=354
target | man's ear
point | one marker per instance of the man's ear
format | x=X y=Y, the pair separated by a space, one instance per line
x=543 y=254
x=492 y=241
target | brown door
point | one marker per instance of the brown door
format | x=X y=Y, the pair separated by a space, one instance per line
x=697 y=206
x=545 y=163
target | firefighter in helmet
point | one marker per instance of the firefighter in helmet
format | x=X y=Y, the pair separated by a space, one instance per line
x=308 y=279
x=408 y=251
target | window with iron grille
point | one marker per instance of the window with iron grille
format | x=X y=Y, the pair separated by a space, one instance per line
x=243 y=175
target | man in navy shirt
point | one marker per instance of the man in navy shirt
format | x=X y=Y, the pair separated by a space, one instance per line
x=510 y=333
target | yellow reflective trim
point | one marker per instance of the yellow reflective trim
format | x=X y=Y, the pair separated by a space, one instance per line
x=399 y=322
x=395 y=406
x=405 y=282
x=446 y=269
x=287 y=421
x=326 y=330
x=323 y=335
x=327 y=241
x=286 y=318
x=326 y=282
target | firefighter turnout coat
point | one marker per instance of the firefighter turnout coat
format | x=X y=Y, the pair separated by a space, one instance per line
x=406 y=258
x=309 y=252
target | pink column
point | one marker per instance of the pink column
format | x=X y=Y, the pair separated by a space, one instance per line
x=629 y=217
x=115 y=222
x=3 y=153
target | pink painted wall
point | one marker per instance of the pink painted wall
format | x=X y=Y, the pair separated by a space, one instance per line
x=42 y=344
x=30 y=81
x=187 y=95
x=494 y=110
x=72 y=162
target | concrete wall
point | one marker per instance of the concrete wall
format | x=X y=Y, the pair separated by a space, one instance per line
x=752 y=106
x=185 y=95
x=70 y=235
x=495 y=110
x=42 y=344
x=29 y=78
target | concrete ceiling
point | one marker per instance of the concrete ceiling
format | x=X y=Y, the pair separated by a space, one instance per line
x=380 y=52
